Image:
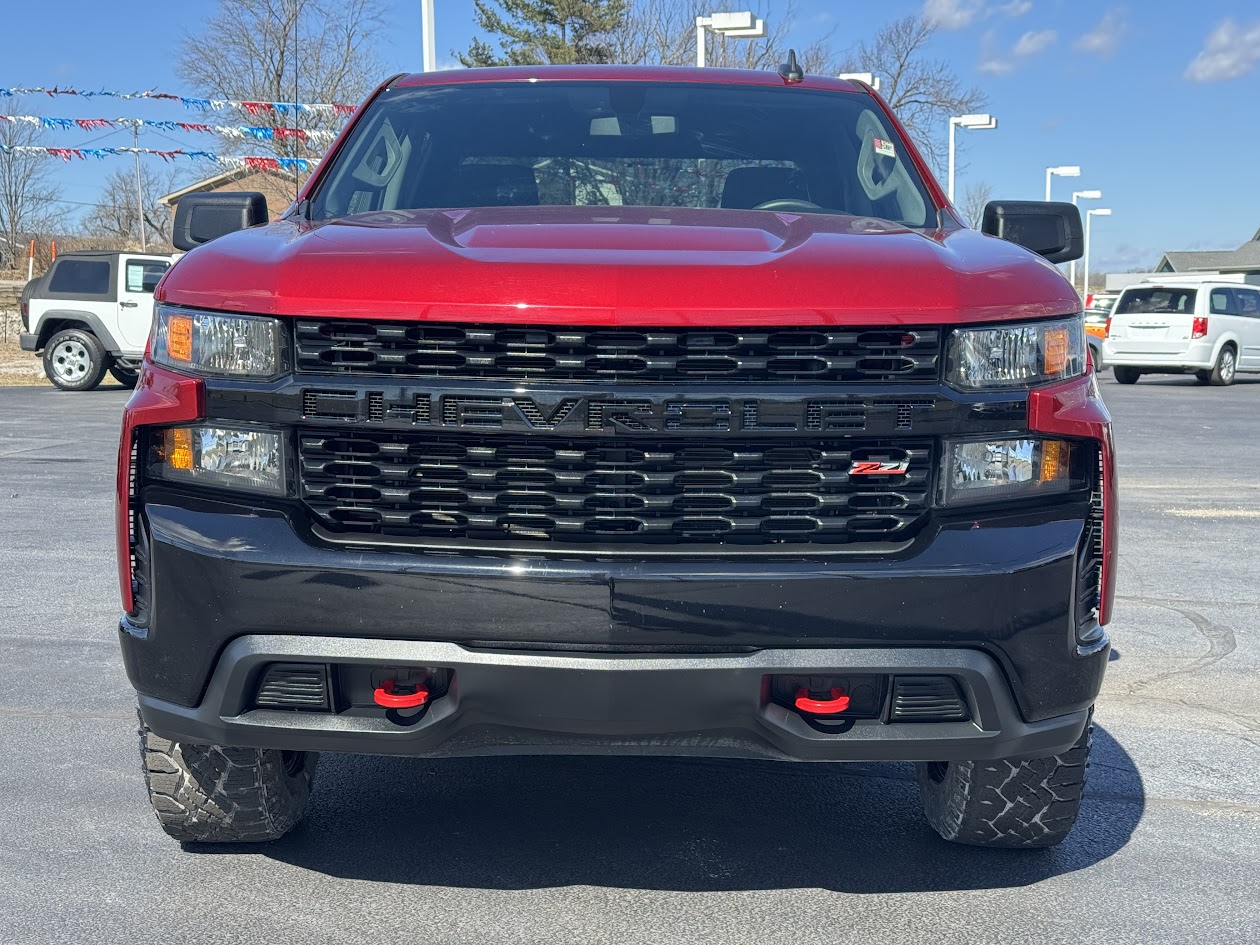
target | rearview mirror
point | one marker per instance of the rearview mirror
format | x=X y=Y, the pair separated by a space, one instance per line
x=200 y=218
x=1052 y=230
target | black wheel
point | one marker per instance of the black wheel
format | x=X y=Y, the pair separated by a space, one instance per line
x=74 y=359
x=1226 y=368
x=124 y=376
x=212 y=794
x=1126 y=375
x=1202 y=377
x=1095 y=356
x=1026 y=804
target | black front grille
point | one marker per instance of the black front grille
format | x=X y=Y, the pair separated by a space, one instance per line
x=546 y=491
x=424 y=349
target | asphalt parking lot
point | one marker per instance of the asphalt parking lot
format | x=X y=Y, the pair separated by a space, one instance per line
x=637 y=850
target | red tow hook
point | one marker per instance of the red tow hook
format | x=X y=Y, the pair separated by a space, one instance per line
x=833 y=706
x=384 y=695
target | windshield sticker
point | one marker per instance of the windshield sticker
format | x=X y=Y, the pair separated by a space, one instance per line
x=886 y=148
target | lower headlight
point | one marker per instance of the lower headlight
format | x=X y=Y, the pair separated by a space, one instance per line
x=993 y=470
x=216 y=456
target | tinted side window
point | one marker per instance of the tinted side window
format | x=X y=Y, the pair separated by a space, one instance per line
x=1223 y=302
x=1247 y=302
x=81 y=277
x=144 y=275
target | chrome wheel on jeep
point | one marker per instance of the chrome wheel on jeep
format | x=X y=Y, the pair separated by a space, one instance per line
x=74 y=360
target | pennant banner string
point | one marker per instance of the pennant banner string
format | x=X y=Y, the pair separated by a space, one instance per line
x=197 y=104
x=234 y=132
x=301 y=165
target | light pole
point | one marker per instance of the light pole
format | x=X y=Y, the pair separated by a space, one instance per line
x=1089 y=215
x=1081 y=195
x=427 y=36
x=1067 y=170
x=976 y=123
x=742 y=25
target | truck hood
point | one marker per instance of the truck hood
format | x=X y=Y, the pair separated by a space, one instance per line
x=619 y=266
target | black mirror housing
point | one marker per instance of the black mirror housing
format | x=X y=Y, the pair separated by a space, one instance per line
x=200 y=218
x=1052 y=230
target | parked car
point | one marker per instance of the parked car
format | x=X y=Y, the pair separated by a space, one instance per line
x=1097 y=318
x=620 y=410
x=91 y=313
x=1207 y=328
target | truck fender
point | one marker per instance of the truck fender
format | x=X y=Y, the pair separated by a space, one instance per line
x=57 y=318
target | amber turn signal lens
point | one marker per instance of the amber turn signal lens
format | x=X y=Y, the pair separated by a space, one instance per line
x=179 y=337
x=179 y=450
x=1058 y=348
x=1054 y=461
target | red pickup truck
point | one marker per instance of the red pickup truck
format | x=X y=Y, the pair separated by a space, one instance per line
x=597 y=410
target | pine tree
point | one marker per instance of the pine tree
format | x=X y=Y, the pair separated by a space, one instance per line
x=545 y=32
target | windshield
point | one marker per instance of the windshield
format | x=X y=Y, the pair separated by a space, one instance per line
x=646 y=144
x=1137 y=301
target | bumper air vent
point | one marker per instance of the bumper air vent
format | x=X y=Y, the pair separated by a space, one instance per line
x=294 y=686
x=927 y=699
x=1089 y=568
x=425 y=349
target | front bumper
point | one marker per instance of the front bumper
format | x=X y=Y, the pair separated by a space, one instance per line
x=680 y=645
x=505 y=702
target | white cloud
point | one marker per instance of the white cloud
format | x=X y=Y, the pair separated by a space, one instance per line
x=1103 y=38
x=1034 y=42
x=996 y=66
x=1016 y=8
x=1232 y=50
x=951 y=14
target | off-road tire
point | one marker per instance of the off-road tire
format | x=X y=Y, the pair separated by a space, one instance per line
x=75 y=359
x=1126 y=375
x=124 y=376
x=1226 y=368
x=212 y=794
x=1021 y=804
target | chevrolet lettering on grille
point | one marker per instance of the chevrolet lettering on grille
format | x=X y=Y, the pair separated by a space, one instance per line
x=578 y=414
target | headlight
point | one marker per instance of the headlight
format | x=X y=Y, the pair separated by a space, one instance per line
x=1016 y=355
x=216 y=456
x=992 y=470
x=210 y=343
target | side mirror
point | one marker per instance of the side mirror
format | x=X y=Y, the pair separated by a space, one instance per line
x=200 y=218
x=1052 y=230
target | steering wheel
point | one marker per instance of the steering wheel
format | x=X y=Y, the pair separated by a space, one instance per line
x=789 y=204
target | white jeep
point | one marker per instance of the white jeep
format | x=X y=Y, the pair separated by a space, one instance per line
x=91 y=313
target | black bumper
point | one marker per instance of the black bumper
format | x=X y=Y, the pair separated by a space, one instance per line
x=28 y=342
x=555 y=703
x=989 y=601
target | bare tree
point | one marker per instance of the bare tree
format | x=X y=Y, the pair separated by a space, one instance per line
x=975 y=199
x=663 y=32
x=286 y=51
x=30 y=204
x=922 y=91
x=114 y=218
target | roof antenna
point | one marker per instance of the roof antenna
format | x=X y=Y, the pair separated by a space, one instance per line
x=791 y=71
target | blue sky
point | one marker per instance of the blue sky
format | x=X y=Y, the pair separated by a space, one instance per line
x=1157 y=100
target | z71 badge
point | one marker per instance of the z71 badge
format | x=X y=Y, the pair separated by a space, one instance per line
x=876 y=468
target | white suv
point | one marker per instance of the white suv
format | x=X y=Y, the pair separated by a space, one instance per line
x=90 y=313
x=1210 y=329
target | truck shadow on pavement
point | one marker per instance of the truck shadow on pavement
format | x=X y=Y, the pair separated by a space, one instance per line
x=669 y=824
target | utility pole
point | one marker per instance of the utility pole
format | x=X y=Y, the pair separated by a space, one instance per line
x=427 y=38
x=144 y=243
